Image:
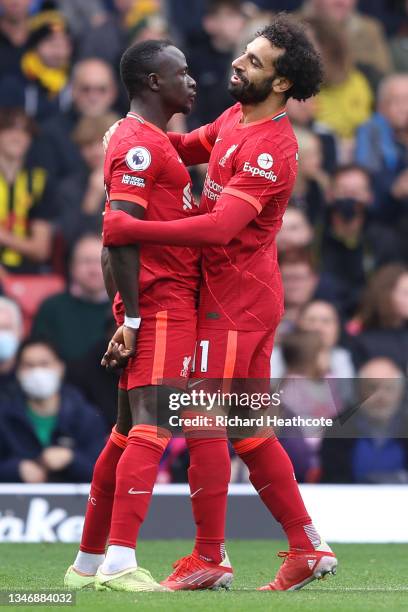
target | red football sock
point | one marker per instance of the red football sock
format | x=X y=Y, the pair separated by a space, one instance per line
x=100 y=501
x=135 y=477
x=208 y=475
x=271 y=473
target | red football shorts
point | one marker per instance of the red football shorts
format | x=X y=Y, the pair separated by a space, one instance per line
x=227 y=353
x=164 y=350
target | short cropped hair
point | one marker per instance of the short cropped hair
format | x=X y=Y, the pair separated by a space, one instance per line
x=301 y=64
x=137 y=62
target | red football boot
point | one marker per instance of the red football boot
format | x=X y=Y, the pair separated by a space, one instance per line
x=192 y=573
x=300 y=568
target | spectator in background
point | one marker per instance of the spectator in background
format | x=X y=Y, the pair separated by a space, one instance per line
x=75 y=320
x=383 y=317
x=26 y=198
x=352 y=181
x=94 y=92
x=312 y=181
x=365 y=35
x=11 y=333
x=353 y=240
x=47 y=430
x=82 y=15
x=305 y=393
x=81 y=196
x=98 y=385
x=343 y=250
x=322 y=318
x=209 y=58
x=303 y=115
x=302 y=283
x=296 y=231
x=345 y=100
x=370 y=445
x=399 y=42
x=382 y=148
x=14 y=31
x=41 y=87
x=109 y=38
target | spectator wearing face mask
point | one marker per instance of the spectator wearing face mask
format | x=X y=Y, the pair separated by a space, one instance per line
x=76 y=319
x=11 y=332
x=354 y=241
x=45 y=426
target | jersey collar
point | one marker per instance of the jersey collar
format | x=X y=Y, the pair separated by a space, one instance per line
x=275 y=117
x=133 y=115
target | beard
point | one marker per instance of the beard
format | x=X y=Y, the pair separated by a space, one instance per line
x=250 y=93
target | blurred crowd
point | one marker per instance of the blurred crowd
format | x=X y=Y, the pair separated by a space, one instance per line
x=342 y=248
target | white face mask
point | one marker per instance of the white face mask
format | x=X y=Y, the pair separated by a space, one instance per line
x=8 y=345
x=40 y=383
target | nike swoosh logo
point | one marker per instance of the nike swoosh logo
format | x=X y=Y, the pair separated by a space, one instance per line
x=132 y=492
x=195 y=492
x=218 y=139
x=262 y=488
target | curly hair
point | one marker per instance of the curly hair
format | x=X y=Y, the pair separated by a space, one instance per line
x=301 y=63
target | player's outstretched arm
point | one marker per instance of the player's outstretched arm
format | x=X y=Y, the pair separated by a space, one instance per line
x=124 y=265
x=231 y=215
x=196 y=146
x=193 y=147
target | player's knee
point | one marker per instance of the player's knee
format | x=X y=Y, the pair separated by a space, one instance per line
x=152 y=435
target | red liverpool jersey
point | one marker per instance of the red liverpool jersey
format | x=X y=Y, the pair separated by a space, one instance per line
x=142 y=166
x=256 y=162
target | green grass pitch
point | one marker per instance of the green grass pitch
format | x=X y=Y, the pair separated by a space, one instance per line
x=370 y=577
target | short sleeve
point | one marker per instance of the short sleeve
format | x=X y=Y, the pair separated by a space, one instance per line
x=134 y=169
x=264 y=173
x=208 y=133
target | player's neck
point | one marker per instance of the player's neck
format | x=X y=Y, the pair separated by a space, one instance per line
x=151 y=113
x=262 y=110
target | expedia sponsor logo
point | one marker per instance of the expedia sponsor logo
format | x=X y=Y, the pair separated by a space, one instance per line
x=270 y=175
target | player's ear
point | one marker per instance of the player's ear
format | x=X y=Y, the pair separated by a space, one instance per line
x=153 y=81
x=281 y=84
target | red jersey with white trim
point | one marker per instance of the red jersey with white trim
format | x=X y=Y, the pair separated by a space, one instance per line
x=142 y=166
x=255 y=162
